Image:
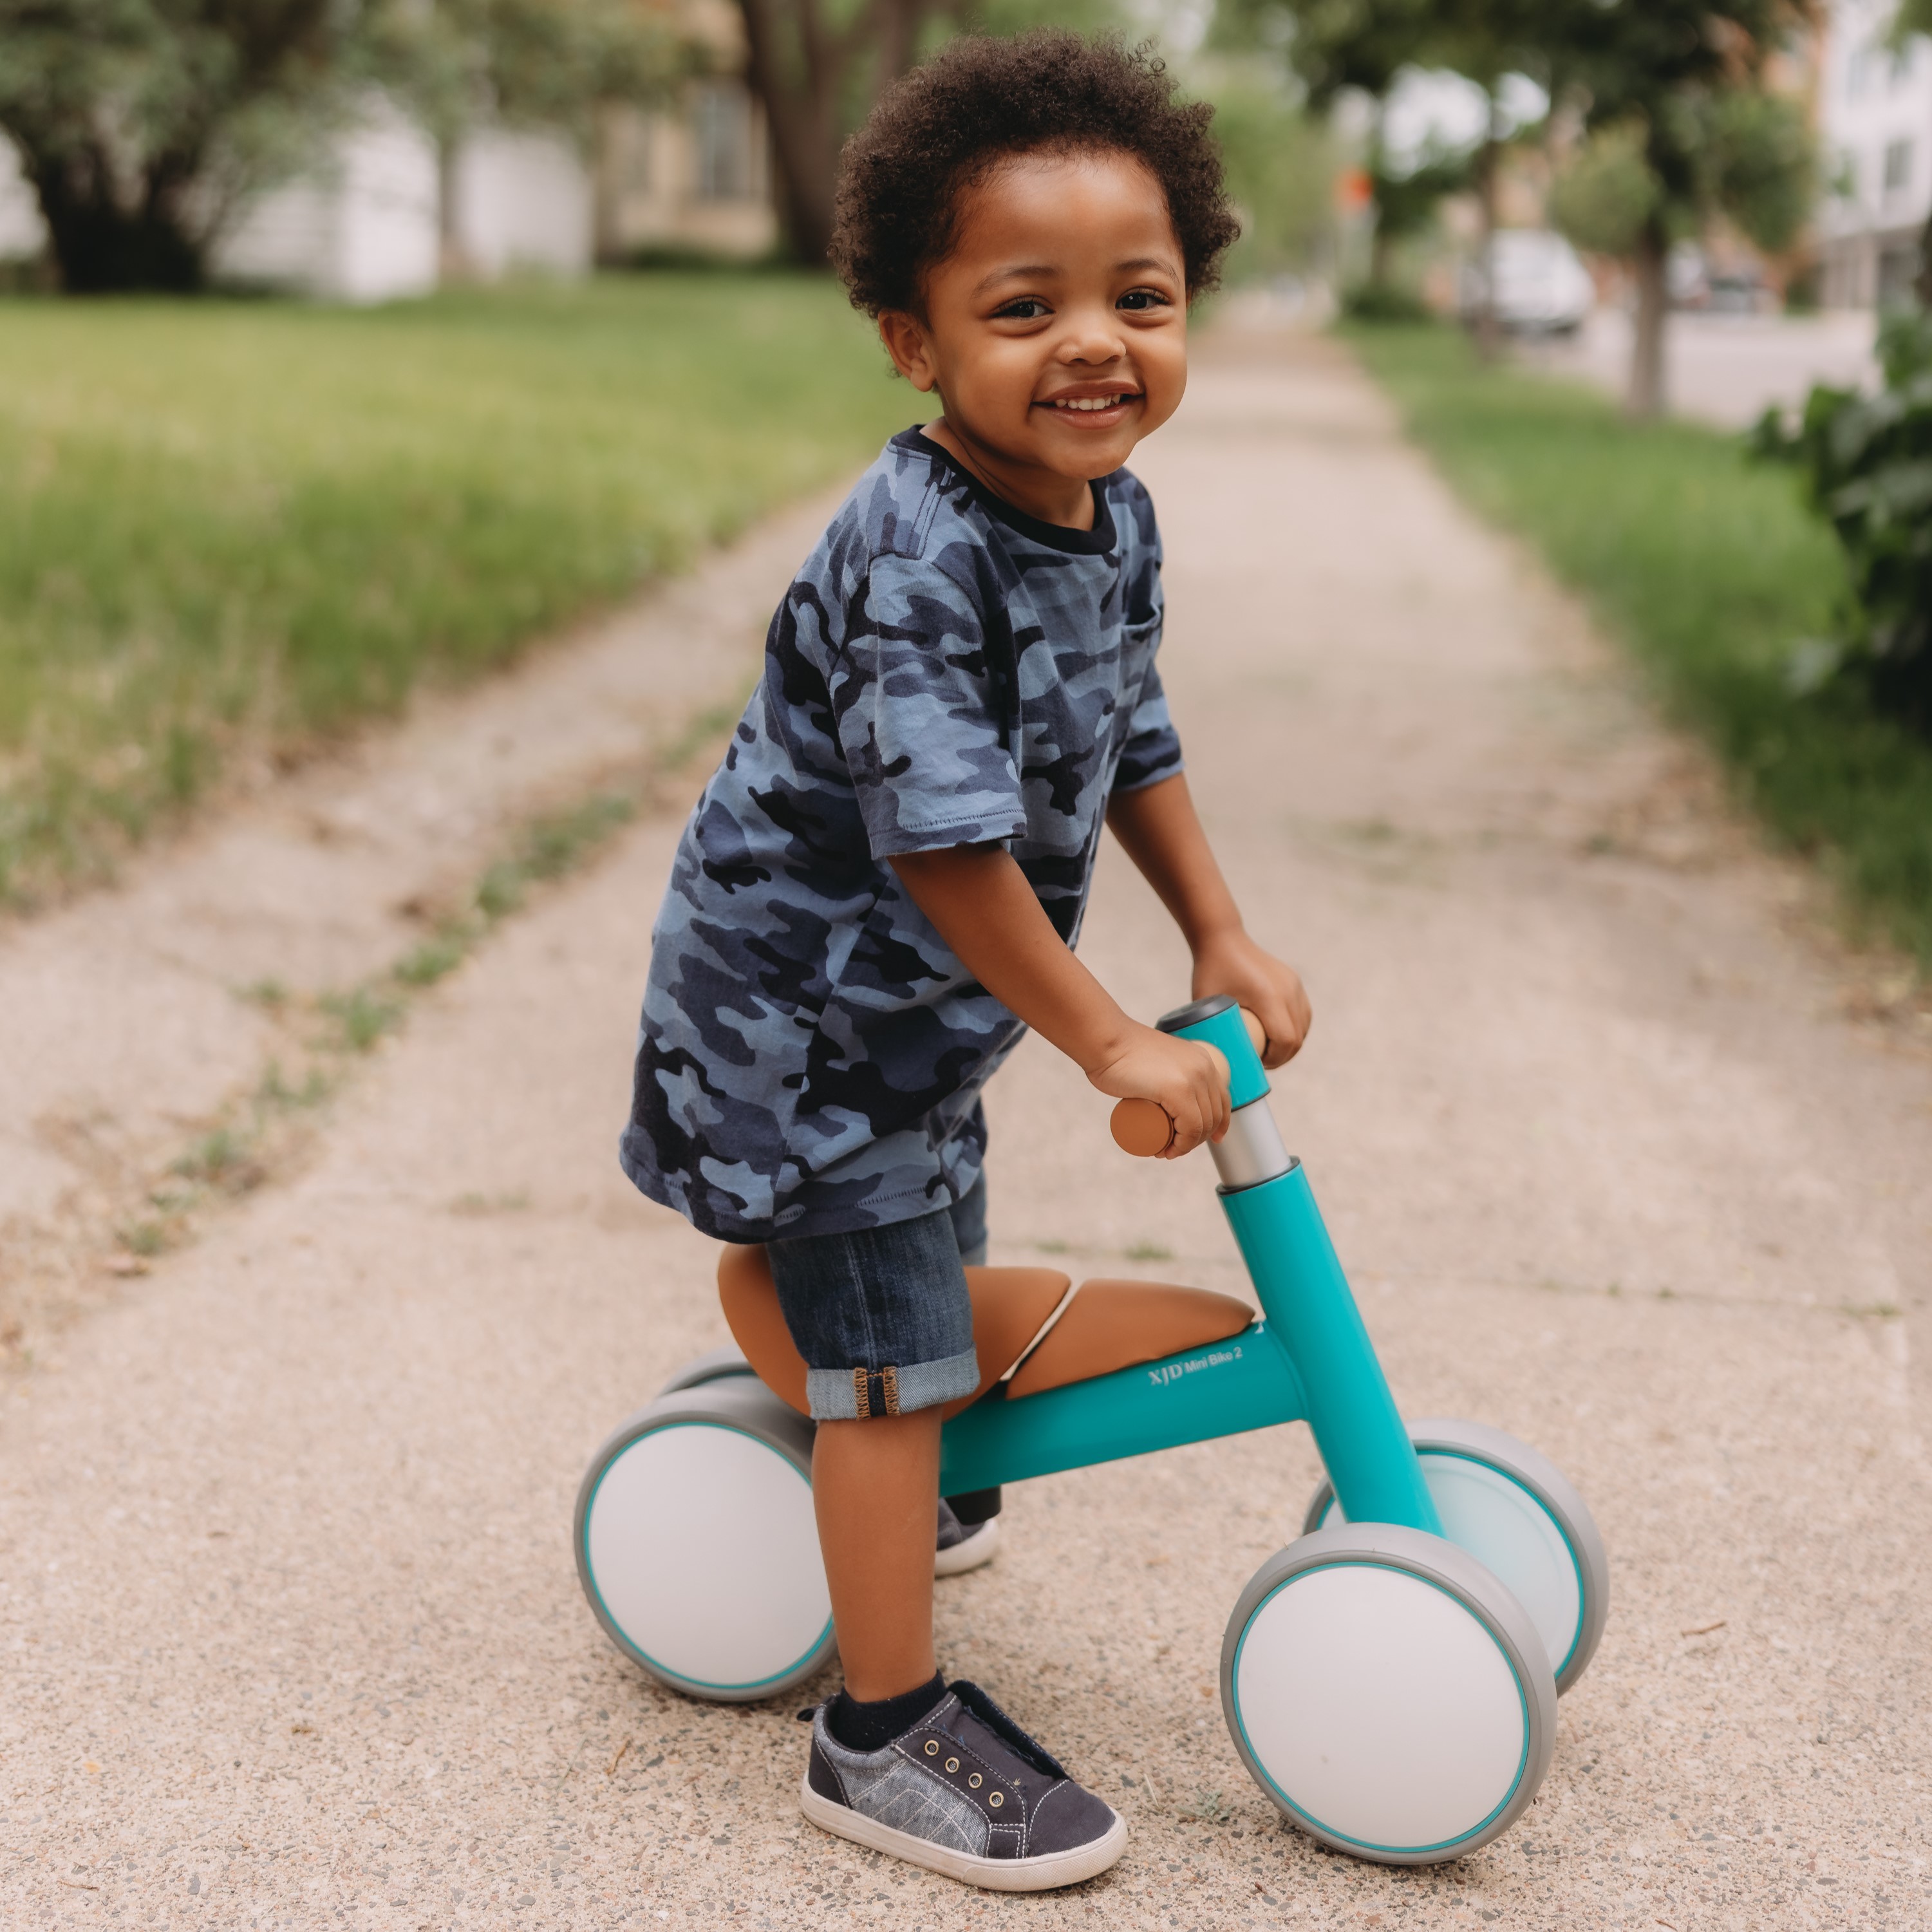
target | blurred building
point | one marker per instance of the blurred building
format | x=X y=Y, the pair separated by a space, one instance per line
x=697 y=177
x=1875 y=118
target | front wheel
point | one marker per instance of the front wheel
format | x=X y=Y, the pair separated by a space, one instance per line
x=1514 y=1511
x=1388 y=1693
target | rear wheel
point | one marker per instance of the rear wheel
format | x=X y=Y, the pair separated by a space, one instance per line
x=697 y=1546
x=1388 y=1693
x=1514 y=1511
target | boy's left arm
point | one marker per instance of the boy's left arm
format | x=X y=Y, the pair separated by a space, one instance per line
x=1158 y=826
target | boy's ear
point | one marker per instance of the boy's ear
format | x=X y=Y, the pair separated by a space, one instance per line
x=906 y=342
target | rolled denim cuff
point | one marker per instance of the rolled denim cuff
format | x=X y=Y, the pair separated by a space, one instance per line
x=850 y=1395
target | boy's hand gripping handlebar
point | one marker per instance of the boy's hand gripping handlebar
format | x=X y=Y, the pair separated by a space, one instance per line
x=1145 y=1127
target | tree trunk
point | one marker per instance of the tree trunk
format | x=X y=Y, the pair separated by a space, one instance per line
x=100 y=248
x=798 y=109
x=1489 y=327
x=802 y=86
x=1645 y=400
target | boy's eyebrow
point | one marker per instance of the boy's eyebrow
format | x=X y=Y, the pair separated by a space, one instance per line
x=1025 y=271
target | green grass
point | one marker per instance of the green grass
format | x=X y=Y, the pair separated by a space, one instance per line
x=1710 y=571
x=230 y=527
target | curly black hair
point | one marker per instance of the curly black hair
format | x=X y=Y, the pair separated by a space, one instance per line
x=979 y=102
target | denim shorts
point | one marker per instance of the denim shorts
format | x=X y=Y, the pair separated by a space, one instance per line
x=882 y=1315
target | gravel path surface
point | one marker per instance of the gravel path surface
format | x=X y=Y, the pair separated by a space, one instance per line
x=290 y=1631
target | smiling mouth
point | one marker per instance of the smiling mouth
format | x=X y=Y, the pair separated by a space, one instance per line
x=1089 y=405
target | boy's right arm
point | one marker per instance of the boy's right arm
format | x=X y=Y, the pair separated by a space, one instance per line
x=979 y=900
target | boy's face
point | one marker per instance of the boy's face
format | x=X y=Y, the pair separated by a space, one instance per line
x=1055 y=330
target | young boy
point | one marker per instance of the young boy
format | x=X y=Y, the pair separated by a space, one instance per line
x=881 y=888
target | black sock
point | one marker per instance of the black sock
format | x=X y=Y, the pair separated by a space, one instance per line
x=871 y=1727
x=975 y=1506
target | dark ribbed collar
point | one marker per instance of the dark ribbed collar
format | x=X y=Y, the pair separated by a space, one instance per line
x=1096 y=542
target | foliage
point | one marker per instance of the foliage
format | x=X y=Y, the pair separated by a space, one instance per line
x=543 y=63
x=1686 y=76
x=1707 y=569
x=117 y=107
x=1746 y=155
x=1281 y=167
x=143 y=123
x=1406 y=199
x=226 y=529
x=1866 y=463
x=1761 y=165
x=1607 y=195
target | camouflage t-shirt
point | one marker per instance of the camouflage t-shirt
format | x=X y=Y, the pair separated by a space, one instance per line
x=945 y=671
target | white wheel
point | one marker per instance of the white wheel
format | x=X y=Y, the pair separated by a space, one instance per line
x=1518 y=1516
x=1388 y=1693
x=697 y=1546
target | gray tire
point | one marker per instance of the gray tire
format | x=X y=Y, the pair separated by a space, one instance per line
x=1388 y=1694
x=696 y=1546
x=713 y=1365
x=1514 y=1511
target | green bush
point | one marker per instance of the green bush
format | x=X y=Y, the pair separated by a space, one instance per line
x=1383 y=303
x=1866 y=461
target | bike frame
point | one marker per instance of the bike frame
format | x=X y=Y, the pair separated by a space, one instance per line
x=1309 y=1357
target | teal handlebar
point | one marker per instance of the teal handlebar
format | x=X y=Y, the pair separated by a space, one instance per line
x=1218 y=1022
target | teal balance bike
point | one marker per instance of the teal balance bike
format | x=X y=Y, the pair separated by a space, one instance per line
x=1390 y=1678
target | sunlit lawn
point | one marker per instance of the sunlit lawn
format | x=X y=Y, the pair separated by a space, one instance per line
x=247 y=524
x=1708 y=569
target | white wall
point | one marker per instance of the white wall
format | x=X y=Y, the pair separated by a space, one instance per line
x=1873 y=102
x=362 y=229
x=522 y=201
x=22 y=233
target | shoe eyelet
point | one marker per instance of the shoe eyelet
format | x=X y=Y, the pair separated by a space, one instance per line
x=975 y=1780
x=952 y=1764
x=932 y=1747
x=998 y=1799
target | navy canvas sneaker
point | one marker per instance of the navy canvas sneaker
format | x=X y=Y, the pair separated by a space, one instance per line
x=963 y=1546
x=966 y=1793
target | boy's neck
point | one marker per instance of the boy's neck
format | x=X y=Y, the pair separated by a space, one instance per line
x=1043 y=494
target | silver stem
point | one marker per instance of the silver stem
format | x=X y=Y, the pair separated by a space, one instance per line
x=1251 y=1152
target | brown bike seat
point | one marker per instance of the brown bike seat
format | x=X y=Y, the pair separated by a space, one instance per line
x=1109 y=1325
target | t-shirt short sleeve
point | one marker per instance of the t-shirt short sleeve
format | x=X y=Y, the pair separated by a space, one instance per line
x=918 y=717
x=1153 y=749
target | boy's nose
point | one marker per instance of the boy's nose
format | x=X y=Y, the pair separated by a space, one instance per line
x=1092 y=336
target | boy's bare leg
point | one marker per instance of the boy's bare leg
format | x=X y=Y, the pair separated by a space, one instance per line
x=875 y=1485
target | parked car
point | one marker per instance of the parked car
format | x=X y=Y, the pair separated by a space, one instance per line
x=1694 y=281
x=1541 y=287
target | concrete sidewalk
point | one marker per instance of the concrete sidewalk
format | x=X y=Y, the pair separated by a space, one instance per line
x=290 y=1630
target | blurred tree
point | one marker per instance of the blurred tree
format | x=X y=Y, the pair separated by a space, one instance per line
x=118 y=107
x=818 y=65
x=533 y=63
x=1365 y=46
x=1406 y=199
x=1679 y=126
x=1281 y=171
x=142 y=124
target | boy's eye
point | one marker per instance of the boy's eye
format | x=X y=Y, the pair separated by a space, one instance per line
x=1143 y=298
x=1027 y=308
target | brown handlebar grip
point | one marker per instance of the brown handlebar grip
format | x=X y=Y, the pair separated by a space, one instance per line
x=1143 y=1127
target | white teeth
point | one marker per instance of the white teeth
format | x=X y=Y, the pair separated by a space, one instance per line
x=1089 y=402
